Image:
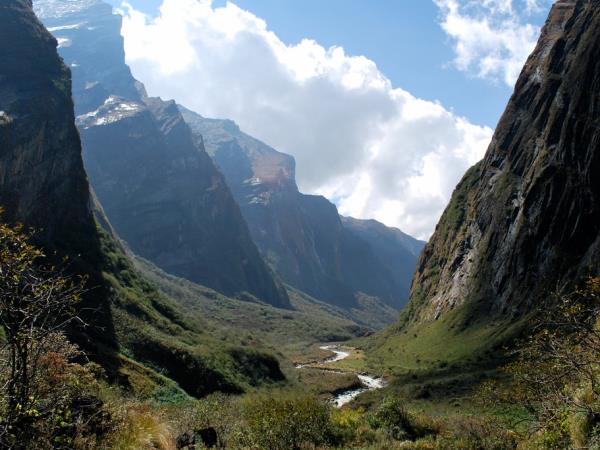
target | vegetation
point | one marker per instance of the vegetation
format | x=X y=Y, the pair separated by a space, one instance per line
x=173 y=341
x=556 y=375
x=53 y=398
x=44 y=395
x=261 y=326
x=547 y=396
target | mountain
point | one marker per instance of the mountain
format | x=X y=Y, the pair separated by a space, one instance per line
x=159 y=188
x=525 y=221
x=391 y=247
x=303 y=237
x=143 y=339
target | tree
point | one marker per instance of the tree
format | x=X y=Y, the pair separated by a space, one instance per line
x=37 y=301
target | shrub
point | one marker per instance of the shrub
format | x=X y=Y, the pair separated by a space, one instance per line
x=346 y=425
x=398 y=422
x=469 y=433
x=46 y=400
x=288 y=421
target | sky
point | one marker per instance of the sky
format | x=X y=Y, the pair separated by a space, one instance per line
x=383 y=103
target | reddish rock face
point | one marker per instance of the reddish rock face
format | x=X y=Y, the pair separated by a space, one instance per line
x=526 y=220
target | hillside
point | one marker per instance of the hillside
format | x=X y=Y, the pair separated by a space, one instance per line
x=523 y=223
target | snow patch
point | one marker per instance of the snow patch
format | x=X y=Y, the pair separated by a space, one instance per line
x=50 y=9
x=113 y=110
x=63 y=42
x=65 y=27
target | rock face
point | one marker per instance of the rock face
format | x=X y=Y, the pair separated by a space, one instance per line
x=302 y=236
x=525 y=221
x=159 y=188
x=37 y=130
x=43 y=184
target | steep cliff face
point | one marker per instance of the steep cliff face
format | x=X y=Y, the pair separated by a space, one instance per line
x=161 y=191
x=37 y=131
x=302 y=236
x=525 y=221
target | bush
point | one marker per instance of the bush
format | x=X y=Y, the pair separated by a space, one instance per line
x=469 y=433
x=286 y=422
x=393 y=417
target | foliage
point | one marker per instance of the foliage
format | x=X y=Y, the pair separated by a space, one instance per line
x=555 y=376
x=46 y=399
x=287 y=421
x=470 y=433
x=393 y=417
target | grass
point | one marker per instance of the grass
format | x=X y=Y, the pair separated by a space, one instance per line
x=354 y=362
x=324 y=383
x=461 y=338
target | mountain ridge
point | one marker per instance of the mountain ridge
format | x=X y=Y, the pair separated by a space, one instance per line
x=302 y=236
x=141 y=338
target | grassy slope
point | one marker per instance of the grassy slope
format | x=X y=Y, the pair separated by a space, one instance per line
x=455 y=340
x=259 y=325
x=158 y=341
x=292 y=335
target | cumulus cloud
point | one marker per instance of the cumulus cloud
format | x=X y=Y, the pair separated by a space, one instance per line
x=492 y=38
x=376 y=150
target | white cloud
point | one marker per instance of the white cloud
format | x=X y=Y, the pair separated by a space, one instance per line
x=492 y=38
x=378 y=151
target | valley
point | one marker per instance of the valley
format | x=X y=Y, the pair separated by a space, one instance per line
x=166 y=285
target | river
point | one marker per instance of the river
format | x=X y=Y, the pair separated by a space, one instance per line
x=369 y=382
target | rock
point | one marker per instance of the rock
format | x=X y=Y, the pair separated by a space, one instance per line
x=186 y=441
x=207 y=436
x=525 y=222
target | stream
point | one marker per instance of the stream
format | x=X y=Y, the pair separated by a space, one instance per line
x=369 y=382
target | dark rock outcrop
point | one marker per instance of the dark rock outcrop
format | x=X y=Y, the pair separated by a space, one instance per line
x=525 y=221
x=42 y=180
x=160 y=190
x=302 y=236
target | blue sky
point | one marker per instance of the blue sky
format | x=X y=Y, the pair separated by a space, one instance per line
x=403 y=37
x=384 y=104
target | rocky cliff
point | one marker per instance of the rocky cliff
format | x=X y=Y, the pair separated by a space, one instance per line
x=159 y=188
x=302 y=236
x=525 y=221
x=37 y=131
